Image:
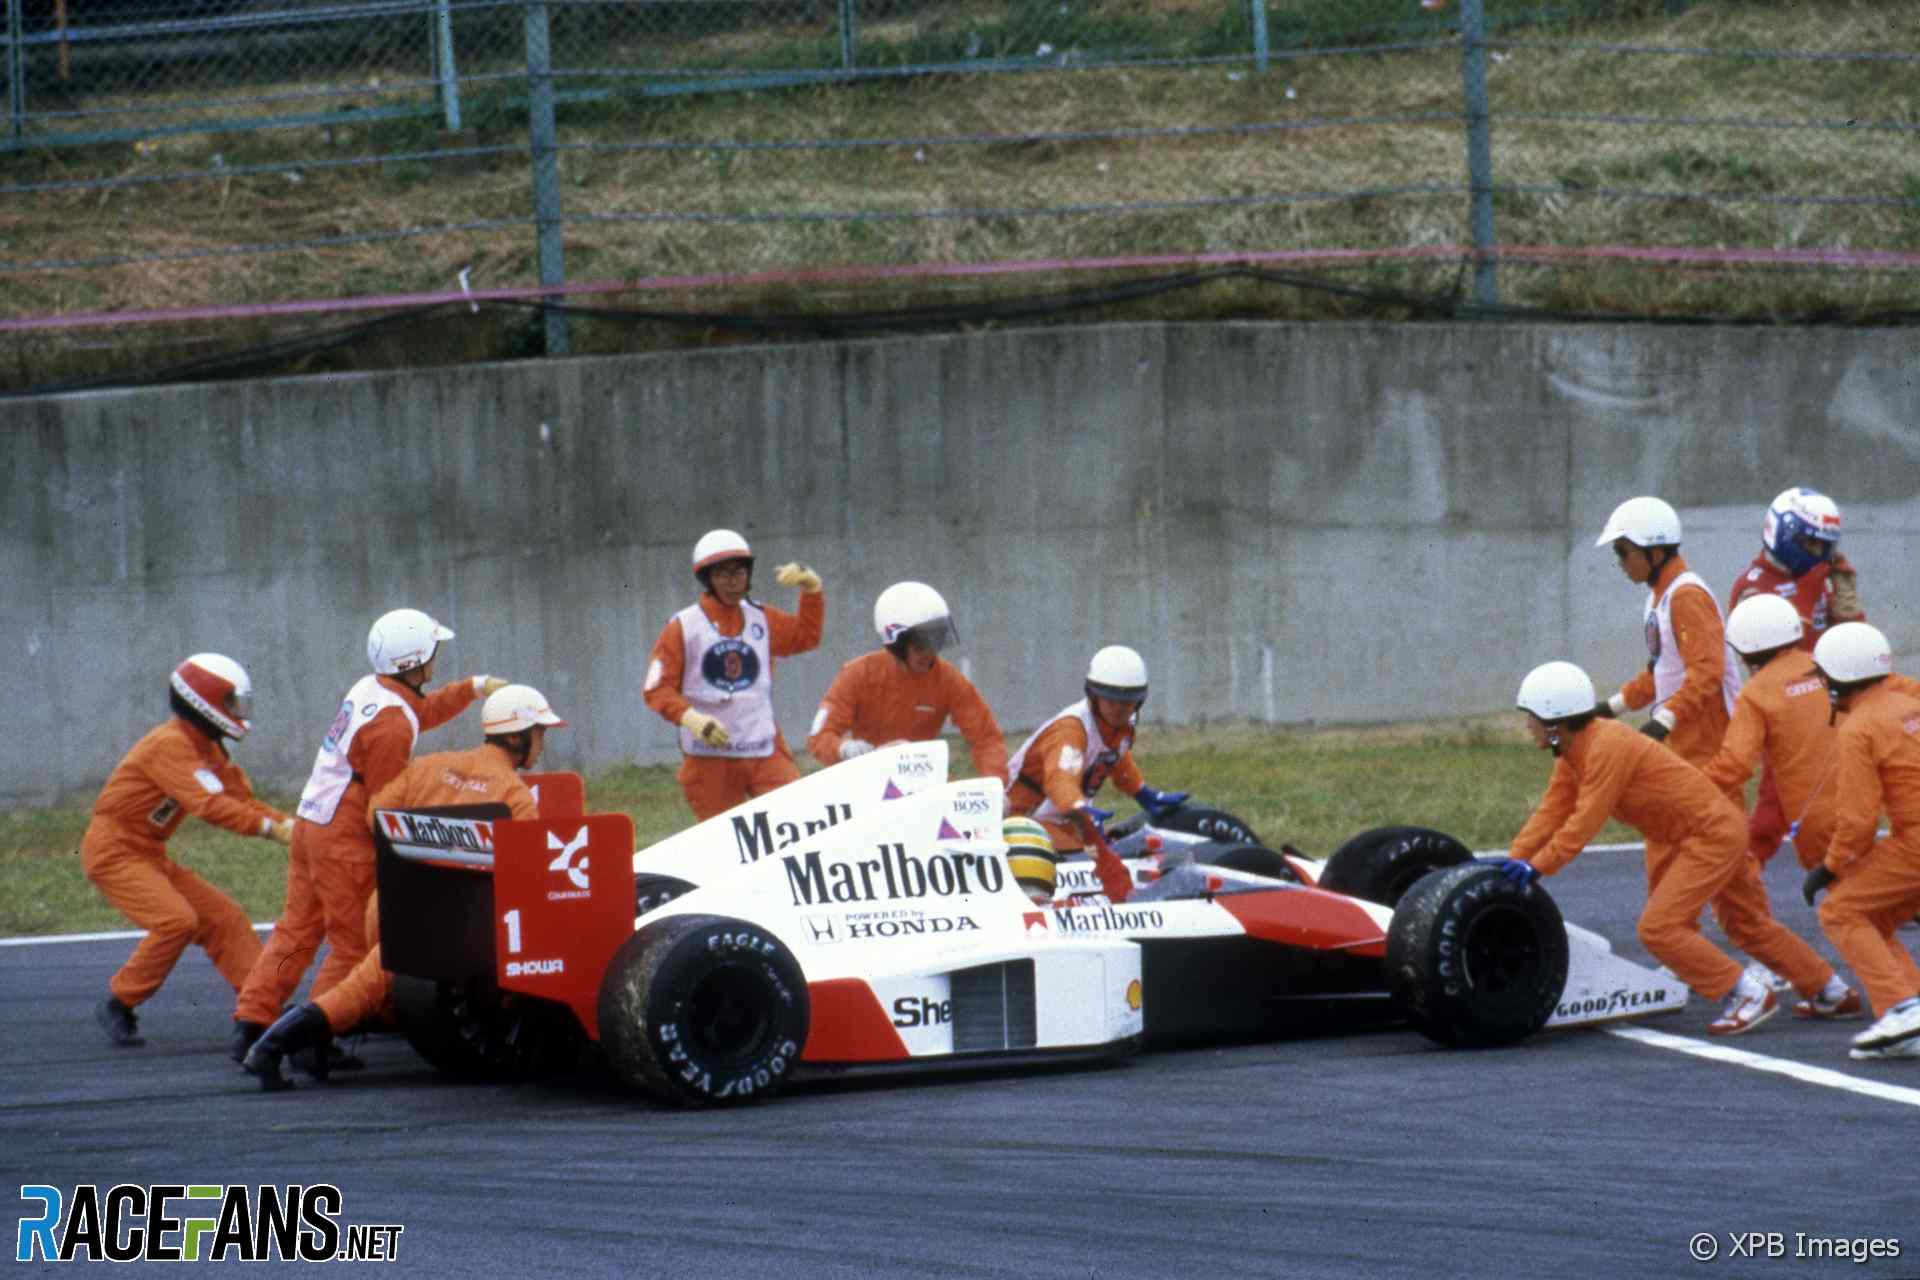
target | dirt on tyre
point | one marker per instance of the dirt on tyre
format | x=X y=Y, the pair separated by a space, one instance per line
x=703 y=1010
x=474 y=1031
x=1474 y=960
x=1382 y=864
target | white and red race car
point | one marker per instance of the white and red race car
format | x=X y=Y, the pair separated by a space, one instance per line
x=864 y=919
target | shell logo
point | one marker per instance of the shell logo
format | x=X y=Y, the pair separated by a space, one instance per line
x=1134 y=995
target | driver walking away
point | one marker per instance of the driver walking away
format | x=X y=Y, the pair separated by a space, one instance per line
x=1057 y=771
x=1691 y=678
x=181 y=767
x=1695 y=841
x=1875 y=883
x=514 y=719
x=905 y=691
x=711 y=674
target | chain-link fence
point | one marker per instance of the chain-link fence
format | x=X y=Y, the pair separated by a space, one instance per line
x=224 y=153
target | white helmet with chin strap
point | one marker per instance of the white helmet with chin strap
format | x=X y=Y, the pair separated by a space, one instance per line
x=1556 y=691
x=403 y=639
x=913 y=612
x=1853 y=652
x=219 y=689
x=1119 y=673
x=1761 y=623
x=514 y=707
x=1644 y=521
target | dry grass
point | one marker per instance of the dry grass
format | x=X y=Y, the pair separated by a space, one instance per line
x=608 y=193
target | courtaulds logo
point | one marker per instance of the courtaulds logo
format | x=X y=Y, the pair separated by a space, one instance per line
x=576 y=872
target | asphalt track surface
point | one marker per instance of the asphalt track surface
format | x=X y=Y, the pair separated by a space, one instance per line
x=1586 y=1153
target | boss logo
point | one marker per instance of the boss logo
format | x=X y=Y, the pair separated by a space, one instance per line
x=973 y=806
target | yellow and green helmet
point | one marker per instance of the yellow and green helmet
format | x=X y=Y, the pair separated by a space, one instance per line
x=1030 y=854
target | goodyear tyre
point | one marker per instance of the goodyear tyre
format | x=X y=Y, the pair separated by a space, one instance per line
x=1380 y=865
x=703 y=1011
x=474 y=1031
x=1475 y=960
x=1215 y=824
x=1255 y=859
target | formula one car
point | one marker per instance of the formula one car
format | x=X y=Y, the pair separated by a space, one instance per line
x=864 y=919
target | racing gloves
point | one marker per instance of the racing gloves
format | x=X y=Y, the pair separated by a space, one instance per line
x=1093 y=820
x=795 y=574
x=1846 y=594
x=1515 y=870
x=854 y=747
x=1159 y=804
x=705 y=727
x=1817 y=879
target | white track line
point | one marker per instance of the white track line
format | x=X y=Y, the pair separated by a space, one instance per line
x=1778 y=1066
x=125 y=936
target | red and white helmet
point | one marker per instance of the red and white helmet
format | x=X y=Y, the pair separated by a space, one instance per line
x=718 y=546
x=218 y=688
x=402 y=640
x=1644 y=521
x=1852 y=652
x=1763 y=622
x=515 y=707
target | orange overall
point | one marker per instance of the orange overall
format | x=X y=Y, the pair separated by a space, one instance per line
x=330 y=866
x=1058 y=772
x=173 y=771
x=1696 y=854
x=1879 y=880
x=878 y=699
x=714 y=784
x=480 y=775
x=1782 y=716
x=1698 y=706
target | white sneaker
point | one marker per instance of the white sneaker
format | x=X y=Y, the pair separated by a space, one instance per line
x=1900 y=1023
x=1747 y=1007
x=1908 y=1048
x=1768 y=978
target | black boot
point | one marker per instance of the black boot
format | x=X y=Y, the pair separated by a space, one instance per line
x=295 y=1030
x=244 y=1034
x=122 y=1028
x=322 y=1059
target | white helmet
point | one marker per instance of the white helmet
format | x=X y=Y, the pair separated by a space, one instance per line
x=1119 y=673
x=1852 y=652
x=913 y=611
x=1645 y=522
x=1763 y=622
x=1800 y=512
x=403 y=639
x=218 y=688
x=1556 y=691
x=515 y=707
x=717 y=546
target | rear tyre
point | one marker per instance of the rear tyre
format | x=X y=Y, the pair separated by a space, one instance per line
x=1475 y=960
x=474 y=1031
x=1214 y=824
x=1382 y=864
x=1254 y=859
x=703 y=1011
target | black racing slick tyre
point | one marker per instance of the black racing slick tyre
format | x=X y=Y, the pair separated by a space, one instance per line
x=1214 y=824
x=1382 y=864
x=703 y=1011
x=474 y=1031
x=1475 y=960
x=1254 y=859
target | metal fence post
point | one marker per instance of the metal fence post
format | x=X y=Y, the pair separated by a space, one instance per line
x=846 y=34
x=546 y=170
x=1473 y=78
x=449 y=73
x=1258 y=12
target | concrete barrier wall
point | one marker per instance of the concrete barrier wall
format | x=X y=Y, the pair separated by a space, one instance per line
x=1295 y=523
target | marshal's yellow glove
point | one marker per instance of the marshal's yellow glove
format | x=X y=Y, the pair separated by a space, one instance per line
x=280 y=832
x=705 y=727
x=487 y=686
x=795 y=574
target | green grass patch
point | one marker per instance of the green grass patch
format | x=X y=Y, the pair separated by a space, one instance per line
x=1313 y=789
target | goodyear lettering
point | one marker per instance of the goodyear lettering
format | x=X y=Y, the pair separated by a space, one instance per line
x=912 y=928
x=756 y=835
x=895 y=873
x=1619 y=1000
x=921 y=1011
x=1108 y=919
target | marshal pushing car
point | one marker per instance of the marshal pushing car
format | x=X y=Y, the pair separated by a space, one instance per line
x=864 y=919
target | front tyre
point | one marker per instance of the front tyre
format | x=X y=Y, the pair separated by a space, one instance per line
x=1475 y=960
x=703 y=1011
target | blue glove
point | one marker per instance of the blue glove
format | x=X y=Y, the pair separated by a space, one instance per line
x=1088 y=814
x=1159 y=804
x=1516 y=871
